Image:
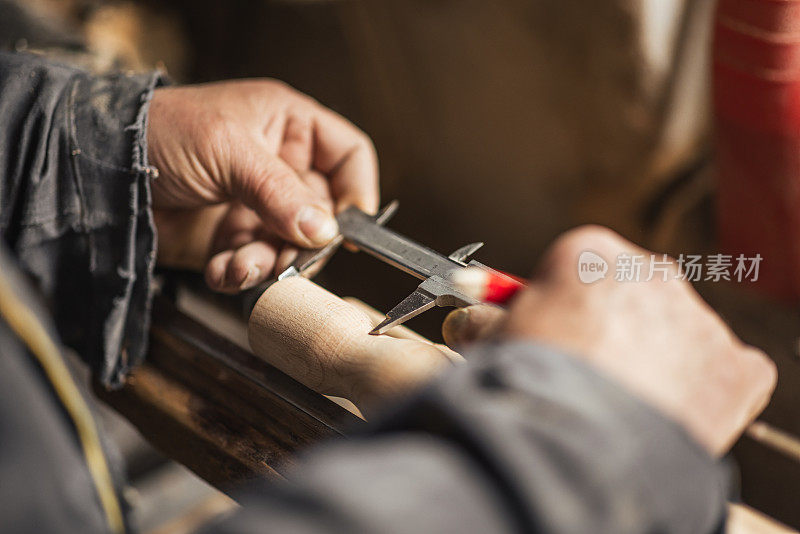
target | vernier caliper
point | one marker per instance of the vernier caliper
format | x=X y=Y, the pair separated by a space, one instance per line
x=367 y=233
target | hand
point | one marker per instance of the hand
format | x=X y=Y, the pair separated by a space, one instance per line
x=279 y=163
x=658 y=338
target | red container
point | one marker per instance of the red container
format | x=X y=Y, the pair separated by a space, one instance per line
x=756 y=93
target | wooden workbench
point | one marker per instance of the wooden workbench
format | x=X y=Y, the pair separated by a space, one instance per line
x=216 y=408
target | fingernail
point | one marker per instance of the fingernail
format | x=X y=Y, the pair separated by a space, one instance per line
x=456 y=326
x=251 y=279
x=217 y=283
x=317 y=225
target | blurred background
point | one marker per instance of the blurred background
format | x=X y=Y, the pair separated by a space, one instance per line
x=506 y=122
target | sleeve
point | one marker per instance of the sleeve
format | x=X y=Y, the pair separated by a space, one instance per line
x=75 y=202
x=523 y=439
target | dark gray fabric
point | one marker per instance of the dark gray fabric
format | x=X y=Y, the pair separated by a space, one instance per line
x=523 y=439
x=75 y=202
x=45 y=485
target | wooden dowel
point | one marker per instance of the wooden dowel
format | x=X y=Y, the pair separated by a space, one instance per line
x=375 y=317
x=323 y=342
x=744 y=520
x=401 y=332
x=775 y=438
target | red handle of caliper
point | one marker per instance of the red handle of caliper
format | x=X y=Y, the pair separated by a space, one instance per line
x=495 y=287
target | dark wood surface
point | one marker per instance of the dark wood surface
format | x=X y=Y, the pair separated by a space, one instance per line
x=769 y=479
x=218 y=409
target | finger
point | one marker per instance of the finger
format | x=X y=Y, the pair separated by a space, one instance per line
x=287 y=205
x=347 y=157
x=759 y=377
x=474 y=323
x=250 y=265
x=298 y=141
x=285 y=258
x=319 y=184
x=185 y=237
x=236 y=270
x=215 y=270
x=239 y=226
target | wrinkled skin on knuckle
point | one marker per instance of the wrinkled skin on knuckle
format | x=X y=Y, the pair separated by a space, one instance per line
x=198 y=132
x=264 y=186
x=190 y=147
x=217 y=151
x=249 y=171
x=265 y=192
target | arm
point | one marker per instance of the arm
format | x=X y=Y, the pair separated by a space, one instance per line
x=522 y=439
x=616 y=430
x=233 y=175
x=75 y=202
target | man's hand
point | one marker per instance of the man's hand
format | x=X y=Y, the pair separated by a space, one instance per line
x=657 y=338
x=281 y=164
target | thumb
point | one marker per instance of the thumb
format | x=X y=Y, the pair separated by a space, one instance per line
x=287 y=205
x=474 y=323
